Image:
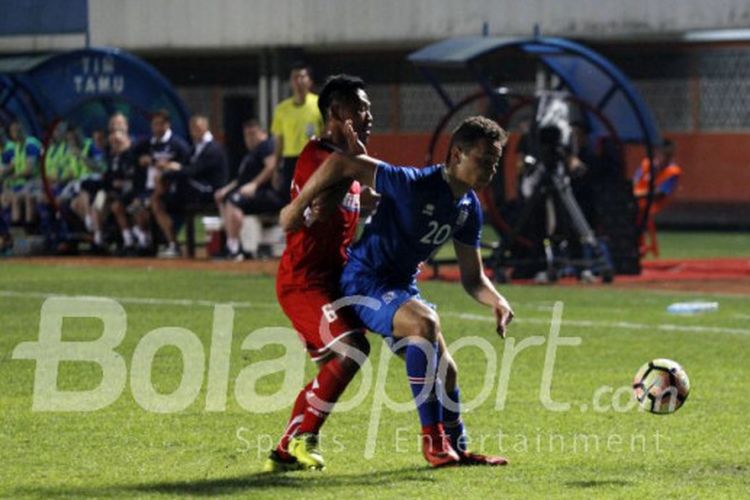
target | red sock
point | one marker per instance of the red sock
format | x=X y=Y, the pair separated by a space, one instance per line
x=295 y=420
x=327 y=386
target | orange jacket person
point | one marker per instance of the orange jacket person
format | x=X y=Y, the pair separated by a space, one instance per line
x=665 y=182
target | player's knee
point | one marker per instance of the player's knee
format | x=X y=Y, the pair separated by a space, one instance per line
x=350 y=359
x=427 y=327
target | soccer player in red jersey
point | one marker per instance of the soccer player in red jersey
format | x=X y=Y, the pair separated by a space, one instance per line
x=308 y=278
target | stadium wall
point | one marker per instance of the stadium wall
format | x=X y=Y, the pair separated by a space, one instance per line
x=712 y=193
x=190 y=25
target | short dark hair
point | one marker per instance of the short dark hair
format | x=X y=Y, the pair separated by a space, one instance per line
x=474 y=129
x=300 y=65
x=252 y=122
x=338 y=88
x=163 y=114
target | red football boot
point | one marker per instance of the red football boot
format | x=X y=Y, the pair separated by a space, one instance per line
x=436 y=447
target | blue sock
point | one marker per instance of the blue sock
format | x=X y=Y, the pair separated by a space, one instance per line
x=454 y=426
x=421 y=371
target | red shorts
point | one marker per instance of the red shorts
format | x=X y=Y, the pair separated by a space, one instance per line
x=317 y=323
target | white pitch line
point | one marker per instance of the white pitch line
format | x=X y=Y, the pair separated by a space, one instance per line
x=139 y=300
x=623 y=325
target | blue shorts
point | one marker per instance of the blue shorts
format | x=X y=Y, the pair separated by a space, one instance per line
x=384 y=298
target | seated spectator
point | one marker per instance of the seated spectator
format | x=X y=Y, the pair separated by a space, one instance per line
x=127 y=196
x=22 y=182
x=6 y=239
x=666 y=176
x=193 y=181
x=123 y=183
x=253 y=175
x=118 y=121
x=83 y=172
x=153 y=155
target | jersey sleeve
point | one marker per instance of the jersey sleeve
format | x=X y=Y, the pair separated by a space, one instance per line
x=266 y=148
x=393 y=182
x=471 y=232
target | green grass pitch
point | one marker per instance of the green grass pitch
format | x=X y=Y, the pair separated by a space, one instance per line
x=123 y=449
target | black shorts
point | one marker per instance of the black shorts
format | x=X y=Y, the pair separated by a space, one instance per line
x=185 y=191
x=266 y=200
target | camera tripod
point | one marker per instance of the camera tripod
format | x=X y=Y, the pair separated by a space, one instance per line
x=554 y=184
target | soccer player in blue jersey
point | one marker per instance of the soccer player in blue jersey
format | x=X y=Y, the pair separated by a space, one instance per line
x=420 y=209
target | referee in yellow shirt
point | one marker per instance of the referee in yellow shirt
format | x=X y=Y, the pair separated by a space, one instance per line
x=295 y=120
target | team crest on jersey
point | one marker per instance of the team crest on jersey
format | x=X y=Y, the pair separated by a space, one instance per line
x=388 y=297
x=350 y=202
x=428 y=210
x=463 y=213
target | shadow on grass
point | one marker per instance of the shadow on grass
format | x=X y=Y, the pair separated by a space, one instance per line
x=598 y=483
x=249 y=483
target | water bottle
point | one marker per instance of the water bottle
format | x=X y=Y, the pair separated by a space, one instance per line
x=692 y=307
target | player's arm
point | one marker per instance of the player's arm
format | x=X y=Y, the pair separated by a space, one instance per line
x=269 y=165
x=335 y=169
x=478 y=285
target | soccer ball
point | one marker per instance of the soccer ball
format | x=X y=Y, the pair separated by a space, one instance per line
x=661 y=386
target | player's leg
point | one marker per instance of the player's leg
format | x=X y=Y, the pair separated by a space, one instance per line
x=335 y=373
x=332 y=351
x=163 y=219
x=279 y=460
x=450 y=401
x=416 y=321
x=233 y=219
x=16 y=202
x=141 y=222
x=30 y=204
x=403 y=317
x=117 y=206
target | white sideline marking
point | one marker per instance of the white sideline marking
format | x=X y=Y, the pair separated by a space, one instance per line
x=624 y=325
x=139 y=300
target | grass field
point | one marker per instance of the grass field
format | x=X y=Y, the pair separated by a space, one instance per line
x=124 y=449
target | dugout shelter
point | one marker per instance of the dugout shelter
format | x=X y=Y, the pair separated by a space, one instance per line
x=605 y=98
x=84 y=87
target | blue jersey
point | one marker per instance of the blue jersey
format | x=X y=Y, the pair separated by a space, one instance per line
x=416 y=215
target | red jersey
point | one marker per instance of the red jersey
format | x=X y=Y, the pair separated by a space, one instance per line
x=315 y=254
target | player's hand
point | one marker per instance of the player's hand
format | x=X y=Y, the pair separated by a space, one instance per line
x=144 y=160
x=503 y=316
x=353 y=145
x=368 y=200
x=248 y=190
x=319 y=210
x=292 y=217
